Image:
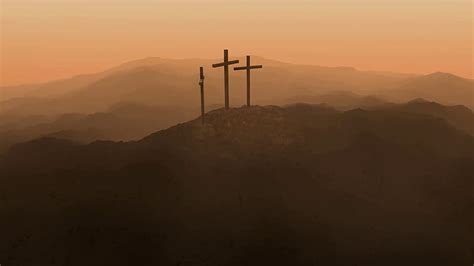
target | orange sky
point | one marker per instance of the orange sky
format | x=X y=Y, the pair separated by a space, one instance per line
x=49 y=39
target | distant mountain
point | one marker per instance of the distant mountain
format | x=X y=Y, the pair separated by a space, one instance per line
x=299 y=185
x=50 y=89
x=63 y=86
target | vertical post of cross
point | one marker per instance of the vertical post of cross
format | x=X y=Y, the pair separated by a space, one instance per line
x=226 y=79
x=201 y=84
x=248 y=80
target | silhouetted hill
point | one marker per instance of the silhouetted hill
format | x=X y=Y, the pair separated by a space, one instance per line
x=120 y=122
x=459 y=116
x=440 y=87
x=299 y=185
x=343 y=100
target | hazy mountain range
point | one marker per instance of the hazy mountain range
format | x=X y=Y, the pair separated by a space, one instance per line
x=296 y=185
x=165 y=82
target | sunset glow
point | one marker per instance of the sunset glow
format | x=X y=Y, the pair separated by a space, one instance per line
x=51 y=39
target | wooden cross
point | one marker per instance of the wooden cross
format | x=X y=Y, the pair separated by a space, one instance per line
x=248 y=67
x=201 y=84
x=226 y=64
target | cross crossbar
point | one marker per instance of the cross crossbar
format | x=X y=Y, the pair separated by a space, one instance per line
x=246 y=67
x=225 y=63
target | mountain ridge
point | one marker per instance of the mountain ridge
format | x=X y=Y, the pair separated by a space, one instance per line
x=128 y=121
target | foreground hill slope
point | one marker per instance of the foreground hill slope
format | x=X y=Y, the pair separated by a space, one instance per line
x=299 y=185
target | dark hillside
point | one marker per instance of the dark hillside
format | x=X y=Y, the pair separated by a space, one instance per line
x=300 y=185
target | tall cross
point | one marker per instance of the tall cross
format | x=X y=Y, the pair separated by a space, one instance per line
x=201 y=84
x=248 y=67
x=226 y=64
